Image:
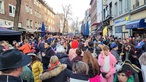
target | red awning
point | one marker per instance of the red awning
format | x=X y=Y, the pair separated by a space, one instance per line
x=95 y=24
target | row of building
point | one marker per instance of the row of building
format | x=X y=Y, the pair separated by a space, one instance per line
x=122 y=18
x=32 y=14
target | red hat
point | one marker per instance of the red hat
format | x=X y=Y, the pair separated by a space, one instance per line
x=74 y=44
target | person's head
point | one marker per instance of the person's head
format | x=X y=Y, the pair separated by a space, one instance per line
x=78 y=52
x=106 y=50
x=25 y=41
x=90 y=44
x=124 y=75
x=60 y=49
x=12 y=62
x=80 y=68
x=88 y=58
x=34 y=57
x=114 y=46
x=47 y=44
x=54 y=61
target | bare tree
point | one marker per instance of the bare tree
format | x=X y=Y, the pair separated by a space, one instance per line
x=67 y=13
x=75 y=24
x=17 y=14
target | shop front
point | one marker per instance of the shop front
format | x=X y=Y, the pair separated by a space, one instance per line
x=137 y=27
x=119 y=29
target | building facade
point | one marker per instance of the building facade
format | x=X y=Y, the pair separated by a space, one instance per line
x=121 y=16
x=137 y=24
x=32 y=14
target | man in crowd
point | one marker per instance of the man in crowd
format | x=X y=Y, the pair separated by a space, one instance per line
x=11 y=65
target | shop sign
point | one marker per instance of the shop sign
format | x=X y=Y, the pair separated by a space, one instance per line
x=121 y=20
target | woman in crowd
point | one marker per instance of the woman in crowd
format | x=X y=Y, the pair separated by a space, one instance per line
x=94 y=70
x=78 y=57
x=36 y=67
x=56 y=71
x=63 y=57
x=80 y=74
x=107 y=65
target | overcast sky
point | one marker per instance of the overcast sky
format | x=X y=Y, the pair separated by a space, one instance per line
x=78 y=6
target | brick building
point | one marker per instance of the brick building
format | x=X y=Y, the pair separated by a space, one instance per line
x=32 y=14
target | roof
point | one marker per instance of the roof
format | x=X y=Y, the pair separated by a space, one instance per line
x=5 y=31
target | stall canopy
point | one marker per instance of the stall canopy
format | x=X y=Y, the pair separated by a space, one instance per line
x=136 y=24
x=6 y=32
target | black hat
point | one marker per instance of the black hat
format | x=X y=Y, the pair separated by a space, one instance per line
x=127 y=65
x=13 y=59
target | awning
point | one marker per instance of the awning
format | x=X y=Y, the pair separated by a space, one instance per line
x=136 y=24
x=97 y=24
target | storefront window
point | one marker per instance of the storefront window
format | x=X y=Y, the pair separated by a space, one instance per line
x=118 y=29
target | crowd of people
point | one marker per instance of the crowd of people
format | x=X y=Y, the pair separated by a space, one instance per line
x=73 y=59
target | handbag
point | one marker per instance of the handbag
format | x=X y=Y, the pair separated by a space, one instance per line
x=95 y=79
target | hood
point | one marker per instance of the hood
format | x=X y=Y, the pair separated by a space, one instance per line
x=53 y=73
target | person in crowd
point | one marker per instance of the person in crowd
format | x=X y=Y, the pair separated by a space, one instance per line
x=94 y=70
x=47 y=55
x=80 y=72
x=36 y=66
x=26 y=47
x=11 y=66
x=72 y=52
x=78 y=57
x=27 y=74
x=114 y=51
x=55 y=72
x=107 y=64
x=142 y=60
x=126 y=73
x=63 y=57
x=2 y=48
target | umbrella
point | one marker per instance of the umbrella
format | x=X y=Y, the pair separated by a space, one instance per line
x=43 y=30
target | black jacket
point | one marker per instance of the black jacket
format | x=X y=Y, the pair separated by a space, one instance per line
x=6 y=78
x=63 y=58
x=46 y=59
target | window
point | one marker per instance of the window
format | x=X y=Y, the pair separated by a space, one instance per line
x=30 y=9
x=118 y=29
x=12 y=10
x=27 y=8
x=31 y=24
x=120 y=6
x=2 y=7
x=116 y=9
x=27 y=23
x=0 y=4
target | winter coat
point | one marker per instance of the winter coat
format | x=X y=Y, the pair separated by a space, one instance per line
x=77 y=58
x=58 y=74
x=27 y=74
x=63 y=58
x=72 y=54
x=26 y=48
x=37 y=69
x=115 y=53
x=113 y=62
x=79 y=78
x=46 y=59
x=7 y=78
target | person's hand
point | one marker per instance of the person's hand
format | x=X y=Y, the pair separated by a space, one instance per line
x=43 y=54
x=107 y=75
x=121 y=54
